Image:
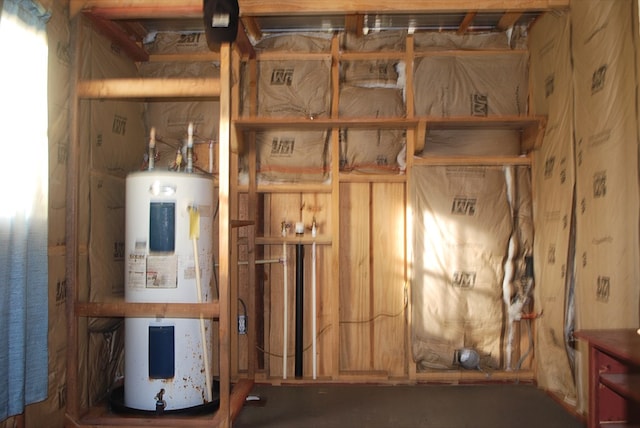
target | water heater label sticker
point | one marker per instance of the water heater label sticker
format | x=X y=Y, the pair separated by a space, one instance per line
x=161 y=271
x=137 y=270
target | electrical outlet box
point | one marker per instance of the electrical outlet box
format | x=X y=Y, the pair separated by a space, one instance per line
x=242 y=324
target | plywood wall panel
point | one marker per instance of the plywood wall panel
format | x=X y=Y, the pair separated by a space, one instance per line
x=388 y=269
x=355 y=278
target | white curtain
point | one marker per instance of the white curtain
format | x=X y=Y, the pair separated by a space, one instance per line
x=23 y=206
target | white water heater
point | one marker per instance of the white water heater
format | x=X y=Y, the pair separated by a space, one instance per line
x=165 y=361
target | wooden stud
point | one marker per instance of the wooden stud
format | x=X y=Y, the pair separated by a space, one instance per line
x=223 y=234
x=72 y=233
x=333 y=305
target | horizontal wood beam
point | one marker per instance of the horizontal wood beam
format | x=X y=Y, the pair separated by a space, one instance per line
x=149 y=88
x=340 y=7
x=265 y=123
x=134 y=309
x=129 y=9
x=139 y=9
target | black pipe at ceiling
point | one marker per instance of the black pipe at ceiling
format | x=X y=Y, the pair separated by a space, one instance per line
x=299 y=308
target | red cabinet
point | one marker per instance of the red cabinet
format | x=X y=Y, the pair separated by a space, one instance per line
x=614 y=377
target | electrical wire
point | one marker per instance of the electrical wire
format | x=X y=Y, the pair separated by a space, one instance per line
x=380 y=315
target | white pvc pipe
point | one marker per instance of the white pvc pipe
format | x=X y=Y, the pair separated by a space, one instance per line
x=285 y=315
x=313 y=307
x=203 y=336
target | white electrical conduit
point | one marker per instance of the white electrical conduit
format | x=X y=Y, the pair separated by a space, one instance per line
x=313 y=306
x=194 y=231
x=284 y=335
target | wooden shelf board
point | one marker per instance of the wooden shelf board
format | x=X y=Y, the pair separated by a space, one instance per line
x=263 y=123
x=145 y=88
x=135 y=309
x=472 y=160
x=530 y=127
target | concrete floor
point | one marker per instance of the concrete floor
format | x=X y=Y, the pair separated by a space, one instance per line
x=433 y=406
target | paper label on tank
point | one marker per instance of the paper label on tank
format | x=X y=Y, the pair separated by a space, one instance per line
x=137 y=270
x=162 y=271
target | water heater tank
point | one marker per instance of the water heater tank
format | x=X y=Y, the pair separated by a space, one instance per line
x=164 y=358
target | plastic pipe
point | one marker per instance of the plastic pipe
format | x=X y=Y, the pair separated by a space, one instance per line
x=313 y=306
x=152 y=149
x=299 y=308
x=285 y=314
x=194 y=224
x=190 y=148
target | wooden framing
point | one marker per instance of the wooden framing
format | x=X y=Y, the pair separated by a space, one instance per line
x=234 y=129
x=230 y=401
x=417 y=128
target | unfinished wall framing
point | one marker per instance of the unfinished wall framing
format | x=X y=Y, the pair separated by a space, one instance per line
x=363 y=320
x=287 y=155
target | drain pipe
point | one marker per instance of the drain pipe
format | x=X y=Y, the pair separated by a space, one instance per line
x=299 y=308
x=285 y=310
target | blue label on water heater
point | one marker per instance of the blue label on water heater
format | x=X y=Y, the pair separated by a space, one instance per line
x=162 y=226
x=161 y=352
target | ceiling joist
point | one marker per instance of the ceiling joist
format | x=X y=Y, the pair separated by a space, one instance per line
x=354 y=24
x=252 y=28
x=117 y=34
x=466 y=22
x=133 y=9
x=126 y=22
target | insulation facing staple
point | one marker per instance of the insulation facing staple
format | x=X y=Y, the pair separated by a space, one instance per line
x=165 y=353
